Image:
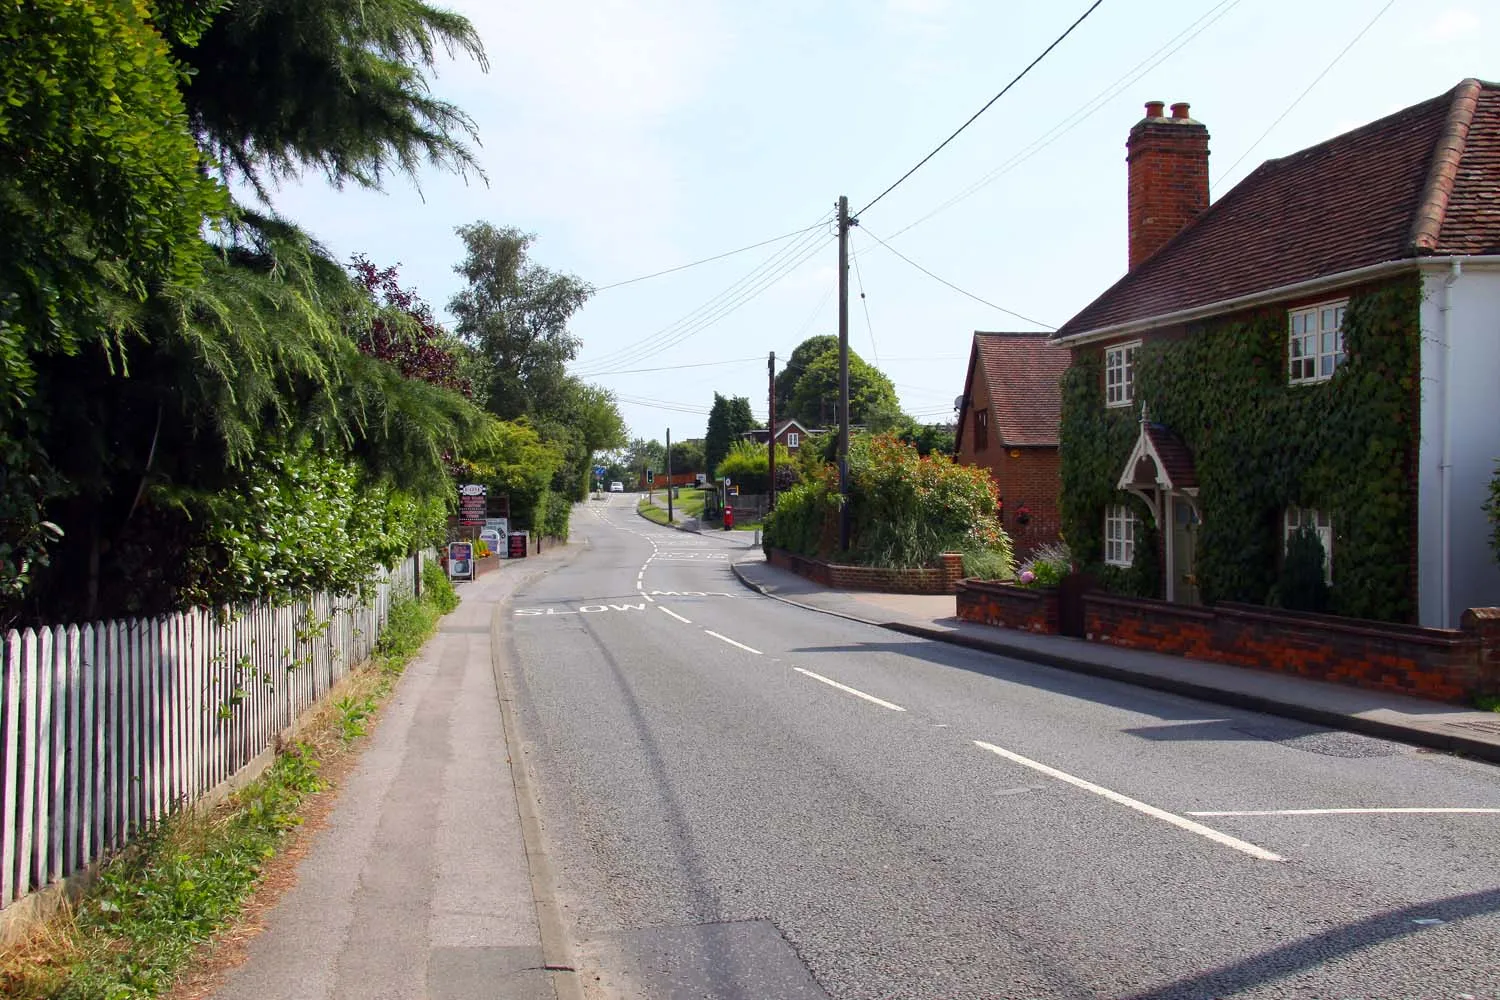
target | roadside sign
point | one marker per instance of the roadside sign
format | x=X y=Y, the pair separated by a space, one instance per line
x=460 y=561
x=599 y=471
x=517 y=545
x=473 y=504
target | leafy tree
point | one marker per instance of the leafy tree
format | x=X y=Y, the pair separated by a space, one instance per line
x=640 y=455
x=277 y=86
x=803 y=355
x=816 y=394
x=515 y=314
x=406 y=334
x=687 y=456
x=729 y=418
x=749 y=466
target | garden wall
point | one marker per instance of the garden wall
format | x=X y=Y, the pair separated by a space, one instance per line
x=943 y=579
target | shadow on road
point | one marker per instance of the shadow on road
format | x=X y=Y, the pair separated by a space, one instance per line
x=1318 y=949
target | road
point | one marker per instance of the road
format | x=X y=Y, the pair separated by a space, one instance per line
x=743 y=799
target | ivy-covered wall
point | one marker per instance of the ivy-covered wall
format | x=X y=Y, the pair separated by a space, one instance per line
x=1345 y=446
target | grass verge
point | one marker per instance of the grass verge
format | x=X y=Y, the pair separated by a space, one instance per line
x=160 y=901
x=1487 y=703
x=652 y=512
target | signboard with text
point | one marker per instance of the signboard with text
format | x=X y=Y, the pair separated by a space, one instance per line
x=473 y=504
x=517 y=549
x=460 y=561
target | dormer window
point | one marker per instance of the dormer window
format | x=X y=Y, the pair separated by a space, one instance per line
x=1119 y=374
x=1315 y=344
x=793 y=440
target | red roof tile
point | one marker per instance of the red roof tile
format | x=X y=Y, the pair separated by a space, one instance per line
x=1022 y=373
x=1425 y=180
x=1176 y=458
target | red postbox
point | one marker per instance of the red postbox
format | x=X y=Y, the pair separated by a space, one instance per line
x=728 y=516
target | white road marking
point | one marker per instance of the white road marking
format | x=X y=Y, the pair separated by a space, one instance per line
x=1414 y=810
x=1141 y=807
x=673 y=614
x=849 y=690
x=726 y=638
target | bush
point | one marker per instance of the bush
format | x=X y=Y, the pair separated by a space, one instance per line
x=1303 y=584
x=749 y=466
x=988 y=564
x=1492 y=508
x=1047 y=566
x=906 y=510
x=437 y=589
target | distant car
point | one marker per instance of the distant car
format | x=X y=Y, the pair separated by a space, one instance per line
x=617 y=487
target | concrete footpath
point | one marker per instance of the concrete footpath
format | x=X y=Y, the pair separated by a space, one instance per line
x=1389 y=716
x=419 y=885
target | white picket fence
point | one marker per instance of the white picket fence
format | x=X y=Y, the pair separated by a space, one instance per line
x=108 y=727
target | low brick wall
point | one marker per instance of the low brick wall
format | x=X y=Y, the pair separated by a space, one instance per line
x=1442 y=664
x=1003 y=605
x=943 y=579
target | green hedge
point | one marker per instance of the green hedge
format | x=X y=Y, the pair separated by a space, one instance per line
x=1345 y=446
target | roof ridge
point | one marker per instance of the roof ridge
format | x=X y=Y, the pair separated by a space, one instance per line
x=1427 y=224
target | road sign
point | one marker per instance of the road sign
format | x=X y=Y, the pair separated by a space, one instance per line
x=460 y=561
x=599 y=471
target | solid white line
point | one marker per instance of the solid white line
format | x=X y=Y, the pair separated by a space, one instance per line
x=1350 y=812
x=1137 y=805
x=849 y=690
x=675 y=615
x=726 y=638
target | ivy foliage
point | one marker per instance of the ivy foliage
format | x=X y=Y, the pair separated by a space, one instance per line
x=1345 y=446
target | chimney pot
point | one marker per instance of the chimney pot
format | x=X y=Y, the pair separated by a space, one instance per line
x=1154 y=108
x=1180 y=109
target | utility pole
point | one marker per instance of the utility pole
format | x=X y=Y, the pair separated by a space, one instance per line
x=845 y=223
x=669 y=475
x=771 y=442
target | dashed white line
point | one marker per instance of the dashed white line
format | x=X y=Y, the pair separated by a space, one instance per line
x=725 y=638
x=1178 y=821
x=1375 y=811
x=849 y=690
x=676 y=615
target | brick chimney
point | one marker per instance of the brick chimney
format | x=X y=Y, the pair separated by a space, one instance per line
x=1168 y=160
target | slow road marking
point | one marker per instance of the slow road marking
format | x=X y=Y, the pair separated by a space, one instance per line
x=1242 y=846
x=725 y=638
x=1372 y=811
x=849 y=690
x=586 y=609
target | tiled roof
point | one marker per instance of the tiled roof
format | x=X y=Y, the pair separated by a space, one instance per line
x=1022 y=372
x=1425 y=180
x=1176 y=457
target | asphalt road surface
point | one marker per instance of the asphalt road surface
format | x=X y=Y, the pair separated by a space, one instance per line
x=744 y=799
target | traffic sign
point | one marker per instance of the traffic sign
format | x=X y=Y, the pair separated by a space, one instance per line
x=599 y=471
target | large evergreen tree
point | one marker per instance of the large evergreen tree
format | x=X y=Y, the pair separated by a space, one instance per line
x=729 y=418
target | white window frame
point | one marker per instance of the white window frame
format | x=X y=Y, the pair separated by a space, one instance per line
x=1119 y=374
x=1321 y=523
x=1315 y=342
x=1120 y=531
x=793 y=440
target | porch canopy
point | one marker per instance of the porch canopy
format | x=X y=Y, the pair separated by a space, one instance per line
x=1159 y=466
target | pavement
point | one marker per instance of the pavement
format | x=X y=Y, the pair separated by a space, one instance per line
x=744 y=799
x=424 y=883
x=1376 y=713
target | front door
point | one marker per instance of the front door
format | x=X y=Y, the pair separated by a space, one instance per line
x=1184 y=561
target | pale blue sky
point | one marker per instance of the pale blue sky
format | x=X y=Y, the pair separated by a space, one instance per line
x=636 y=135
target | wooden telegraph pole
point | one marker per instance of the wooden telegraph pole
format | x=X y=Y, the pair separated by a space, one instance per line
x=771 y=443
x=844 y=515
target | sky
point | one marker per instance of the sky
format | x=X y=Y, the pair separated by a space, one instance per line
x=632 y=136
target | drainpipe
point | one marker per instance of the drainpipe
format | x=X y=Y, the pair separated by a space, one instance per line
x=1445 y=460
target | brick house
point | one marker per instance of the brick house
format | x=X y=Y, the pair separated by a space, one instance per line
x=1318 y=349
x=791 y=434
x=1007 y=423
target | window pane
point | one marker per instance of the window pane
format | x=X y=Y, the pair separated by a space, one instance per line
x=1328 y=321
x=1330 y=343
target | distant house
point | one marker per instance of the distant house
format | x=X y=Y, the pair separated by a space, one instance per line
x=1318 y=351
x=790 y=434
x=1008 y=423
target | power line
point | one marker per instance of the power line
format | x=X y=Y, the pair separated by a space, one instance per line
x=762 y=277
x=672 y=368
x=992 y=100
x=638 y=350
x=1326 y=69
x=1088 y=109
x=866 y=304
x=707 y=260
x=961 y=291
